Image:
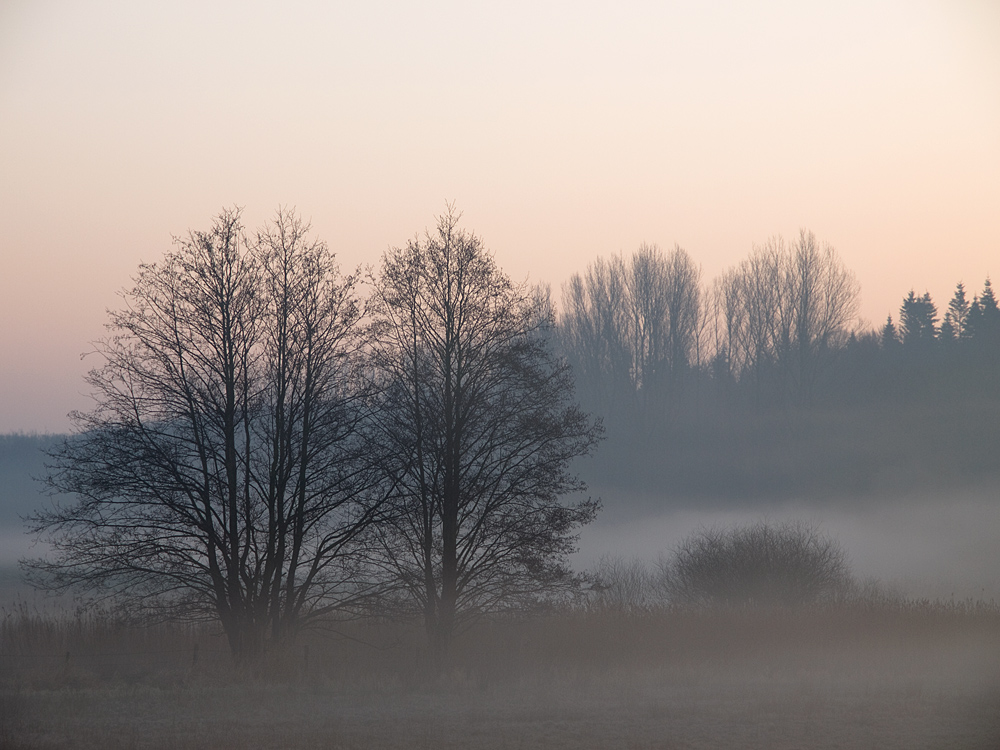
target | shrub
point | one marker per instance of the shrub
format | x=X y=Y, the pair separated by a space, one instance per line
x=758 y=564
x=624 y=585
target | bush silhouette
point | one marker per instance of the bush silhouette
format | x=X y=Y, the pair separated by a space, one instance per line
x=758 y=564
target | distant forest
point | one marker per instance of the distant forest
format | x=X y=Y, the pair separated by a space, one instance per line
x=761 y=386
x=22 y=461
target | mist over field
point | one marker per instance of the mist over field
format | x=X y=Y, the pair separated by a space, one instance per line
x=938 y=542
x=931 y=546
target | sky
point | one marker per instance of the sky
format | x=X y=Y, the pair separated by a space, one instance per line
x=562 y=130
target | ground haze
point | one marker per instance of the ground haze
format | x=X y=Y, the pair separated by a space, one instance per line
x=879 y=676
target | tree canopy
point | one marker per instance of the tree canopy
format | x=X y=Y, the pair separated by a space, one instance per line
x=221 y=471
x=478 y=427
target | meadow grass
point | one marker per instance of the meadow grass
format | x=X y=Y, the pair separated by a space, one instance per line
x=892 y=674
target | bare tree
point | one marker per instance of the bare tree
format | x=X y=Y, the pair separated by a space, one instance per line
x=624 y=585
x=629 y=327
x=664 y=304
x=221 y=471
x=684 y=309
x=753 y=300
x=595 y=330
x=726 y=306
x=781 y=310
x=825 y=296
x=478 y=430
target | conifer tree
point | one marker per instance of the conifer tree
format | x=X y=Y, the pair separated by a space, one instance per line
x=956 y=318
x=918 y=319
x=889 y=337
x=988 y=325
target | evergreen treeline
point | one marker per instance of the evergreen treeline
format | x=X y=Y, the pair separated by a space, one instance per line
x=762 y=383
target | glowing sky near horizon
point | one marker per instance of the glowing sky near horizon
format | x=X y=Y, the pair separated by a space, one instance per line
x=563 y=131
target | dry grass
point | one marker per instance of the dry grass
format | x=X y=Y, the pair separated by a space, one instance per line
x=913 y=676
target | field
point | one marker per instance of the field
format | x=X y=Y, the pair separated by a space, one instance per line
x=914 y=675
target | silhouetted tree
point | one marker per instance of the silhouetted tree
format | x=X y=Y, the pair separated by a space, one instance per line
x=630 y=328
x=917 y=320
x=888 y=336
x=984 y=318
x=478 y=430
x=988 y=300
x=955 y=324
x=595 y=333
x=781 y=310
x=946 y=333
x=666 y=306
x=221 y=471
x=622 y=585
x=756 y=327
x=825 y=299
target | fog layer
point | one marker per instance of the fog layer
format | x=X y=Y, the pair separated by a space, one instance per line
x=933 y=545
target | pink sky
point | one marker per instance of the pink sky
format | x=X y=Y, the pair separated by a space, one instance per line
x=564 y=131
